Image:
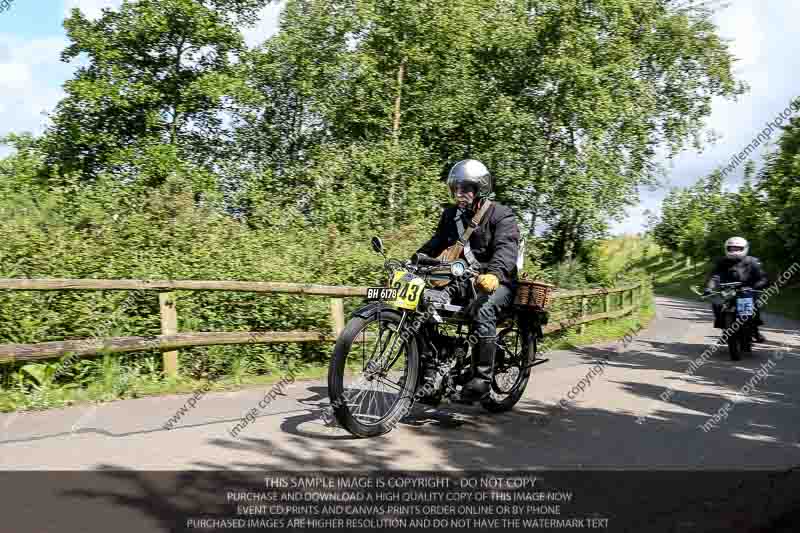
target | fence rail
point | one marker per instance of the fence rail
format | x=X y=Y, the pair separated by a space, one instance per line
x=170 y=340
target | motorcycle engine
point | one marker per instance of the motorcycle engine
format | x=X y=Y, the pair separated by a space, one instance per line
x=456 y=352
x=451 y=347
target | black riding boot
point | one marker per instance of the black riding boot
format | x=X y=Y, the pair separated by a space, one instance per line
x=482 y=370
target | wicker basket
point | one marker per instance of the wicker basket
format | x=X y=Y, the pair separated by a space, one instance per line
x=533 y=294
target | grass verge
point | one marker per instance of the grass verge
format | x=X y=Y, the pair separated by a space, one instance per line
x=148 y=385
x=603 y=331
x=63 y=396
x=783 y=303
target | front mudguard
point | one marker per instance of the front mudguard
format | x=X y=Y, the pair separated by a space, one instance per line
x=729 y=318
x=371 y=310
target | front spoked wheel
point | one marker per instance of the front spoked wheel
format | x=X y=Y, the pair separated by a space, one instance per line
x=747 y=339
x=511 y=375
x=373 y=374
x=734 y=346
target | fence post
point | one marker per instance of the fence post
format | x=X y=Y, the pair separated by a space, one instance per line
x=607 y=305
x=337 y=315
x=582 y=326
x=638 y=299
x=169 y=326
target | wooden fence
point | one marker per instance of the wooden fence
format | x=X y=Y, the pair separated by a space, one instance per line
x=170 y=340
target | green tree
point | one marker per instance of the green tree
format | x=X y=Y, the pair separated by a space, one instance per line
x=154 y=89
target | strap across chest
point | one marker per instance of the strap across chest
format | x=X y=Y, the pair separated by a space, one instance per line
x=465 y=233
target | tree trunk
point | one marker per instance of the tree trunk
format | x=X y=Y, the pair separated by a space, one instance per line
x=173 y=134
x=396 y=137
x=571 y=236
x=534 y=215
x=568 y=245
x=401 y=70
x=174 y=126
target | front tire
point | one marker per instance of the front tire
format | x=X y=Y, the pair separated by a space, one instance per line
x=393 y=361
x=747 y=339
x=734 y=346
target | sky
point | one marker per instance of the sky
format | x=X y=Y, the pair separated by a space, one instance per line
x=761 y=33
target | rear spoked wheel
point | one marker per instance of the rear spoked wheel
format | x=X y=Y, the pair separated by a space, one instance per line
x=510 y=375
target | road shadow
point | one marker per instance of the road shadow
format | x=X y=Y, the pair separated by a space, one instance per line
x=504 y=442
x=759 y=430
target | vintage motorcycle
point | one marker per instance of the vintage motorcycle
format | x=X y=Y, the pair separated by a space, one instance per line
x=412 y=341
x=738 y=306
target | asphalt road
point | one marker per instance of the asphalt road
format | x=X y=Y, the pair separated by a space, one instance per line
x=620 y=420
x=601 y=428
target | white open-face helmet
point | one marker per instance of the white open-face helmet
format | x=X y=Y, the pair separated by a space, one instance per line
x=736 y=248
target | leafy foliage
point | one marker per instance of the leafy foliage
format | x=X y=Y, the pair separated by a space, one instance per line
x=697 y=220
x=180 y=153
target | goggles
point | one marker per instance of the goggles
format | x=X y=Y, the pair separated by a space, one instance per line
x=463 y=189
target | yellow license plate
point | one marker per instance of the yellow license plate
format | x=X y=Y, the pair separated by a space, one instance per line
x=409 y=290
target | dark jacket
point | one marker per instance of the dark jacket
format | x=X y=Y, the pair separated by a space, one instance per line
x=748 y=270
x=495 y=242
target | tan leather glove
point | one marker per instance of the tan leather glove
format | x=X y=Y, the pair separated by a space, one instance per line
x=487 y=282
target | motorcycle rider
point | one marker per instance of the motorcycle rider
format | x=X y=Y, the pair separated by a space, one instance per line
x=737 y=266
x=494 y=244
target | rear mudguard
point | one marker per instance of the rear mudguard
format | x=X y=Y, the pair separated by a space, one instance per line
x=532 y=322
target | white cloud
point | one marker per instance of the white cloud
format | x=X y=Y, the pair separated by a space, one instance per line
x=30 y=77
x=91 y=8
x=269 y=18
x=759 y=32
x=32 y=74
x=15 y=76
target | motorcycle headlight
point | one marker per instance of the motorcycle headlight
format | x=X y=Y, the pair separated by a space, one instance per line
x=458 y=268
x=728 y=294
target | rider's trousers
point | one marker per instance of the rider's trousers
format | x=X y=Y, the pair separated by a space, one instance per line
x=489 y=307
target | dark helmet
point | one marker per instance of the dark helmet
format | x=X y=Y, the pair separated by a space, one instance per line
x=471 y=172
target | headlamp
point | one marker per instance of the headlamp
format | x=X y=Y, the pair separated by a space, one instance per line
x=457 y=268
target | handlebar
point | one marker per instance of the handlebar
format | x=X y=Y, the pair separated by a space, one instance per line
x=723 y=286
x=426 y=260
x=423 y=264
